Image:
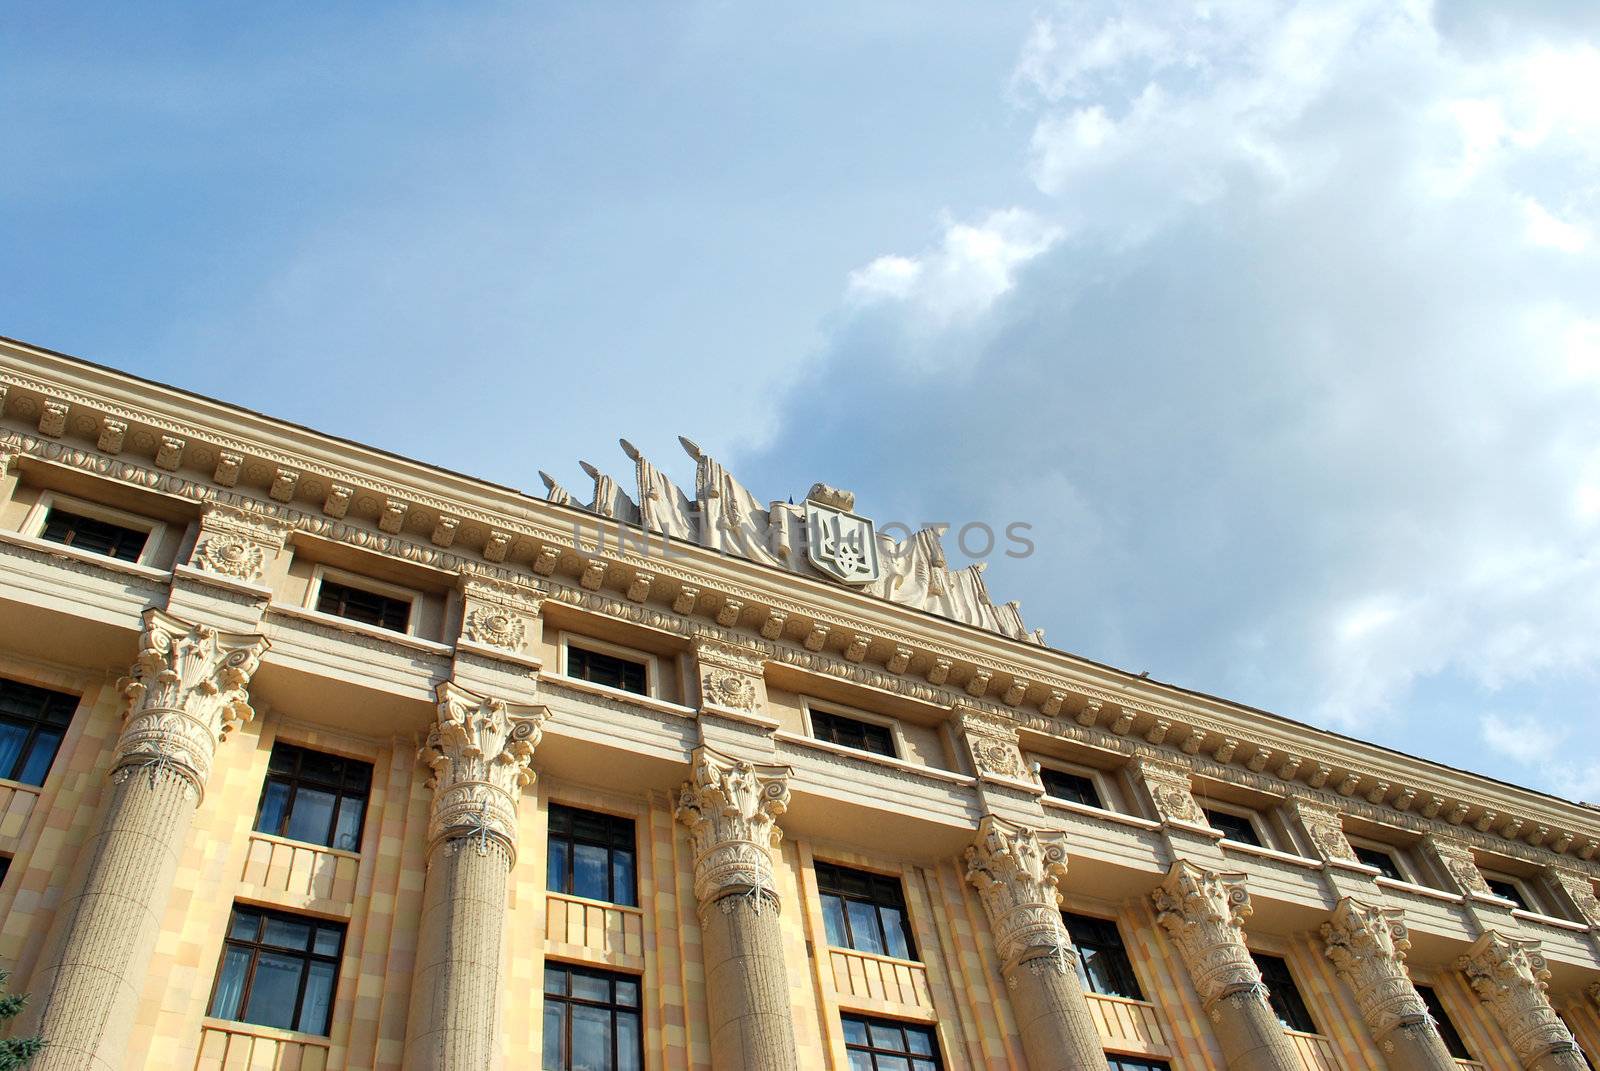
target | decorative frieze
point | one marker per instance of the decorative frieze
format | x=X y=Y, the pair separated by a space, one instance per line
x=1204 y=912
x=112 y=434
x=169 y=453
x=284 y=482
x=684 y=602
x=480 y=750
x=1169 y=786
x=53 y=419
x=731 y=808
x=1368 y=946
x=1017 y=873
x=1323 y=827
x=1509 y=976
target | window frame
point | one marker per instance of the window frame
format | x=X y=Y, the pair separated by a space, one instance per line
x=1256 y=820
x=33 y=727
x=39 y=517
x=897 y=739
x=895 y=887
x=1397 y=855
x=1256 y=956
x=567 y=1000
x=1531 y=901
x=934 y=1056
x=307 y=956
x=371 y=586
x=297 y=780
x=652 y=667
x=1126 y=965
x=1096 y=778
x=572 y=840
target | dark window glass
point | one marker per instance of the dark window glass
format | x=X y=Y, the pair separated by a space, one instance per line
x=1507 y=891
x=1447 y=1029
x=317 y=798
x=367 y=607
x=591 y=1020
x=1070 y=786
x=591 y=855
x=32 y=723
x=5 y=867
x=1129 y=1063
x=889 y=1045
x=1283 y=995
x=1381 y=859
x=278 y=970
x=849 y=732
x=96 y=537
x=1103 y=964
x=866 y=912
x=1235 y=827
x=625 y=673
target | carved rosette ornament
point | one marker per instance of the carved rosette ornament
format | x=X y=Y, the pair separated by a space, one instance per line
x=1017 y=873
x=1458 y=860
x=1509 y=976
x=731 y=808
x=237 y=544
x=1205 y=912
x=1368 y=946
x=495 y=626
x=480 y=751
x=188 y=690
x=498 y=613
x=730 y=675
x=1170 y=790
x=1322 y=824
x=992 y=743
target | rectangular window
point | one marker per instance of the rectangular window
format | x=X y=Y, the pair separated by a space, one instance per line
x=596 y=667
x=864 y=911
x=889 y=1045
x=591 y=1020
x=852 y=733
x=1235 y=827
x=591 y=855
x=5 y=867
x=1130 y=1063
x=1283 y=995
x=1070 y=786
x=93 y=535
x=1103 y=964
x=365 y=607
x=1447 y=1029
x=32 y=724
x=1380 y=858
x=278 y=970
x=1508 y=890
x=313 y=797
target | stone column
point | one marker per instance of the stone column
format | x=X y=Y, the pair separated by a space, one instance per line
x=1509 y=975
x=479 y=750
x=731 y=808
x=1017 y=874
x=1368 y=947
x=185 y=693
x=1205 y=912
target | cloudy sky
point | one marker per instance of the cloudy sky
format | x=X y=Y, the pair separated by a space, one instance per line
x=1279 y=323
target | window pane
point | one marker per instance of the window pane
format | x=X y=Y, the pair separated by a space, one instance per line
x=627 y=1041
x=833 y=920
x=311 y=816
x=12 y=737
x=556 y=867
x=317 y=766
x=893 y=1063
x=591 y=1038
x=273 y=990
x=855 y=1032
x=894 y=932
x=555 y=981
x=555 y=1036
x=286 y=933
x=860 y=1061
x=318 y=999
x=864 y=928
x=885 y=1036
x=230 y=983
x=40 y=756
x=919 y=1042
x=327 y=941
x=590 y=871
x=274 y=808
x=245 y=926
x=622 y=881
x=627 y=993
x=347 y=832
x=589 y=987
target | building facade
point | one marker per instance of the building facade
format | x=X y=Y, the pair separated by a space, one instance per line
x=314 y=757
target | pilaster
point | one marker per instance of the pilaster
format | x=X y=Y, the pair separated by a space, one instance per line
x=1509 y=976
x=1169 y=785
x=1368 y=946
x=497 y=650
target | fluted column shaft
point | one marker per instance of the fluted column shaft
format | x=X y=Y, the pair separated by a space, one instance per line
x=1509 y=976
x=1017 y=873
x=1204 y=912
x=731 y=809
x=479 y=750
x=186 y=691
x=1368 y=946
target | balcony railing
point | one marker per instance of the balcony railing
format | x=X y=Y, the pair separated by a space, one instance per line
x=1125 y=1025
x=898 y=986
x=227 y=1046
x=1316 y=1051
x=301 y=874
x=16 y=807
x=594 y=930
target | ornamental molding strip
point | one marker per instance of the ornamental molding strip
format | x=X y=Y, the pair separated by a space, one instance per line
x=1204 y=911
x=1509 y=976
x=1017 y=873
x=731 y=808
x=1368 y=946
x=480 y=751
x=186 y=692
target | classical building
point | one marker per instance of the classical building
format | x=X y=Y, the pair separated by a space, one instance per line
x=315 y=757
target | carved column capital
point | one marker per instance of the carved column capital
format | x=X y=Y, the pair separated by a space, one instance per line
x=188 y=690
x=480 y=751
x=1205 y=912
x=1509 y=976
x=731 y=675
x=1594 y=995
x=237 y=543
x=1322 y=824
x=1368 y=946
x=731 y=808
x=1170 y=789
x=1458 y=861
x=1016 y=872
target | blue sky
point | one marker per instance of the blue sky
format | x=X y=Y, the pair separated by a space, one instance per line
x=1280 y=323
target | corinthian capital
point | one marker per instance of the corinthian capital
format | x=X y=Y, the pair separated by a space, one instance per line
x=1509 y=975
x=731 y=808
x=1368 y=947
x=186 y=692
x=1016 y=873
x=480 y=750
x=1205 y=912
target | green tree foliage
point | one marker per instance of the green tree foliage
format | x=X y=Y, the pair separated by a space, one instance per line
x=14 y=1052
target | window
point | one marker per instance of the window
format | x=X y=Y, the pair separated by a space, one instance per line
x=1447 y=1029
x=5 y=867
x=1070 y=786
x=591 y=1020
x=591 y=855
x=1283 y=995
x=887 y=1045
x=278 y=970
x=363 y=606
x=1382 y=859
x=1129 y=1063
x=1103 y=964
x=316 y=798
x=613 y=671
x=866 y=912
x=1507 y=889
x=94 y=535
x=852 y=733
x=1235 y=827
x=32 y=723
